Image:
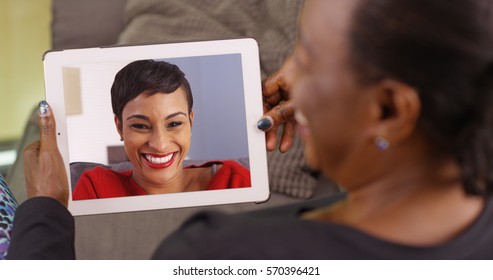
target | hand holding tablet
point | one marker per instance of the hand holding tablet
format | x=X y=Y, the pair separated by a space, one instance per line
x=156 y=125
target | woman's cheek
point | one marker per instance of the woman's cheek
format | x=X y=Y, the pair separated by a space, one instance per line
x=133 y=142
x=310 y=154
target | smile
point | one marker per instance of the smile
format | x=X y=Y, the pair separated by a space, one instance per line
x=159 y=160
x=156 y=161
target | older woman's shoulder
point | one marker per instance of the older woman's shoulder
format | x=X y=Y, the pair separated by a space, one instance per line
x=280 y=233
x=275 y=233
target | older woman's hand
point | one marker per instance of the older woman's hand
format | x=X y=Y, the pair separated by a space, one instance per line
x=43 y=164
x=278 y=109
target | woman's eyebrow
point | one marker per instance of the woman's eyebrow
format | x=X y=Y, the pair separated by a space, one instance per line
x=146 y=118
x=142 y=117
x=175 y=114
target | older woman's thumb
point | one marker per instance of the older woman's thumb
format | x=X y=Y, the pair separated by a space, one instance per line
x=47 y=126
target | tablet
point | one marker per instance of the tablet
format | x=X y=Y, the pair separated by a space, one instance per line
x=159 y=126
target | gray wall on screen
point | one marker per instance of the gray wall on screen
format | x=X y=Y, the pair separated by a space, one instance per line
x=219 y=130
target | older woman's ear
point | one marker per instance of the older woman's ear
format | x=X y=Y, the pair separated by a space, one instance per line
x=118 y=125
x=399 y=107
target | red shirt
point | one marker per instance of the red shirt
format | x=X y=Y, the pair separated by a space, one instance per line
x=106 y=183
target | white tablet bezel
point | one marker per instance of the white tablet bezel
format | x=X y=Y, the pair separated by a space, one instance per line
x=247 y=48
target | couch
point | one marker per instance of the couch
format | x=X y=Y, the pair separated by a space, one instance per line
x=92 y=23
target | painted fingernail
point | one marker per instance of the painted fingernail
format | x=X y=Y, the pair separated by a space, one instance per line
x=264 y=124
x=43 y=108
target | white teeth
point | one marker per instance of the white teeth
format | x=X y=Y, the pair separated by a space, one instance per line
x=300 y=118
x=159 y=160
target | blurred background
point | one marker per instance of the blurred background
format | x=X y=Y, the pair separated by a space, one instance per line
x=24 y=37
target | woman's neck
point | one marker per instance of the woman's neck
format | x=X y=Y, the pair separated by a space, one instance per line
x=198 y=178
x=418 y=204
x=175 y=184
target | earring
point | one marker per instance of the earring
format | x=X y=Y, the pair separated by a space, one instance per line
x=382 y=144
x=121 y=138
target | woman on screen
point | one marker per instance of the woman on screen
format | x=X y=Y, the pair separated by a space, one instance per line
x=152 y=102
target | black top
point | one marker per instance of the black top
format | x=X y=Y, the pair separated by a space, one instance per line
x=45 y=229
x=280 y=234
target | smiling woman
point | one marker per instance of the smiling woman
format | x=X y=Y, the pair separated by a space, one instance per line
x=152 y=102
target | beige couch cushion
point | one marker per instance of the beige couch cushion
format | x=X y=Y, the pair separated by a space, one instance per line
x=86 y=23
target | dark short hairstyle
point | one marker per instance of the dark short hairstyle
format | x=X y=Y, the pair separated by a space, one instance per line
x=148 y=77
x=444 y=49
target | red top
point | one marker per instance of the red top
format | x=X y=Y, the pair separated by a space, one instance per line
x=105 y=183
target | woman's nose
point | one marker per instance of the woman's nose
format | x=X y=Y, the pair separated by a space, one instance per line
x=159 y=140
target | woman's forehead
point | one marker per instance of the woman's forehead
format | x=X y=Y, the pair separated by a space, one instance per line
x=328 y=14
x=158 y=101
x=324 y=30
x=326 y=22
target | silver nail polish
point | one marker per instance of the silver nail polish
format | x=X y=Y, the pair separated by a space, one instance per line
x=43 y=108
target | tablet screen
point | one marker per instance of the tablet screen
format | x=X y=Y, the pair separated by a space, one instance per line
x=159 y=126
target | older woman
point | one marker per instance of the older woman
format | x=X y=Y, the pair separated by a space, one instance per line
x=152 y=102
x=393 y=100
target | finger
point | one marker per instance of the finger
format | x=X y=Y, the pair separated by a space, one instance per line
x=276 y=83
x=31 y=152
x=273 y=100
x=271 y=139
x=47 y=126
x=267 y=107
x=273 y=84
x=282 y=113
x=287 y=136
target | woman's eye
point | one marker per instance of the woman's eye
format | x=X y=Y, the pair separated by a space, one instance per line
x=174 y=124
x=139 y=126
